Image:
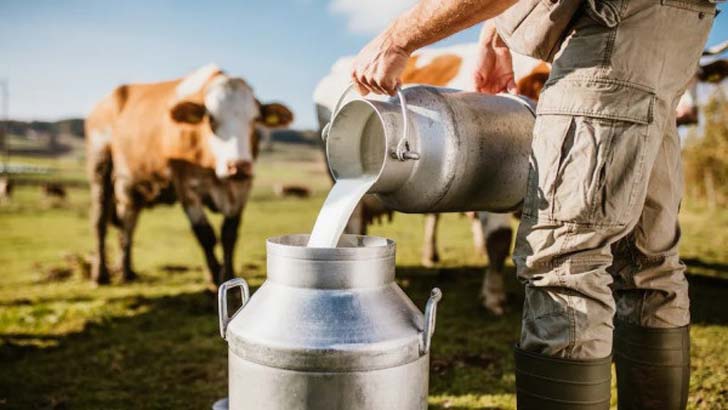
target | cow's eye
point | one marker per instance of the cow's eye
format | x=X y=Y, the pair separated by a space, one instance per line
x=213 y=122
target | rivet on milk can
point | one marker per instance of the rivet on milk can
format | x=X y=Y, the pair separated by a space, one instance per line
x=436 y=149
x=329 y=329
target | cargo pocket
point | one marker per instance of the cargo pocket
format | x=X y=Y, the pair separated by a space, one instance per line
x=589 y=151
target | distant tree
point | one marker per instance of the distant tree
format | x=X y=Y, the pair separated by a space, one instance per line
x=706 y=156
x=71 y=126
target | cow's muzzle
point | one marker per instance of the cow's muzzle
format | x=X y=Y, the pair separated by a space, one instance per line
x=240 y=169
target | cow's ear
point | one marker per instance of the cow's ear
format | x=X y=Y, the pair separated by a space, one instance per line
x=275 y=115
x=188 y=112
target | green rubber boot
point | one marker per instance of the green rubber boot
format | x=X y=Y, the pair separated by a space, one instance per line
x=548 y=383
x=653 y=367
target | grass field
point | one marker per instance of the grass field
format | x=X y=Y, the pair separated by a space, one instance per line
x=153 y=344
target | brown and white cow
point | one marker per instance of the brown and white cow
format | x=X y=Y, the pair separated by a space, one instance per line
x=192 y=139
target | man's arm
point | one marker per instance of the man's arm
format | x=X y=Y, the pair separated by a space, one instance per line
x=379 y=65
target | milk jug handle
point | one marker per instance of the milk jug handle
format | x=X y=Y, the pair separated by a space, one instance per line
x=337 y=107
x=430 y=316
x=402 y=153
x=222 y=305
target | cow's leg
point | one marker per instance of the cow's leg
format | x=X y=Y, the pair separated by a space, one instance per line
x=101 y=204
x=478 y=236
x=205 y=236
x=228 y=237
x=498 y=235
x=127 y=213
x=128 y=220
x=430 y=256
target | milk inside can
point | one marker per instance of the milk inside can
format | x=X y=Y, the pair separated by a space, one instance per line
x=328 y=329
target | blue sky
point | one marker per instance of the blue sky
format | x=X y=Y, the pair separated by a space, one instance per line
x=62 y=56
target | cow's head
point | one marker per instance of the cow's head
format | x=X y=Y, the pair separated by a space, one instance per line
x=225 y=113
x=712 y=71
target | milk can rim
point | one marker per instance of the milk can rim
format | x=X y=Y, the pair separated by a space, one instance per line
x=293 y=246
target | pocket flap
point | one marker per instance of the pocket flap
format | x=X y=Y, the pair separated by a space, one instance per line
x=598 y=98
x=536 y=27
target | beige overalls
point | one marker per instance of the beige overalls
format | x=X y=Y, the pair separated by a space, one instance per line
x=600 y=233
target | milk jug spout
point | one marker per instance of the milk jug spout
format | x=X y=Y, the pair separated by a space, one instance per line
x=370 y=139
x=433 y=149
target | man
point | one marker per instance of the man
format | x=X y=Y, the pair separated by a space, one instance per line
x=597 y=247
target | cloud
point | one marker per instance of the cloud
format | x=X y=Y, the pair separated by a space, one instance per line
x=369 y=16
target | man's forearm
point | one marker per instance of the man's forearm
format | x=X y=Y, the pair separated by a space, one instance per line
x=432 y=20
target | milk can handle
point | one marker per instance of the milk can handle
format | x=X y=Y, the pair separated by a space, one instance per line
x=403 y=152
x=222 y=306
x=430 y=316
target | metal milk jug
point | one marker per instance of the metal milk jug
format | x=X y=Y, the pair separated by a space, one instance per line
x=436 y=150
x=329 y=329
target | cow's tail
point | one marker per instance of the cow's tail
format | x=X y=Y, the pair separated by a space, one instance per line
x=101 y=170
x=109 y=185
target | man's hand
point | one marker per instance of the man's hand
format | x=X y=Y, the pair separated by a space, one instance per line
x=494 y=71
x=378 y=66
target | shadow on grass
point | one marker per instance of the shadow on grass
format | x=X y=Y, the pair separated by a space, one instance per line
x=168 y=354
x=699 y=263
x=708 y=300
x=471 y=349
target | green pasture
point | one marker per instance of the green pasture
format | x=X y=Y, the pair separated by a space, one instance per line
x=153 y=344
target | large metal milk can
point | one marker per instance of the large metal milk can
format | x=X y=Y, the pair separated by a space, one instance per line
x=328 y=330
x=436 y=149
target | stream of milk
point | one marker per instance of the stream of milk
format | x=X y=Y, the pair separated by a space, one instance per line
x=334 y=215
x=348 y=190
